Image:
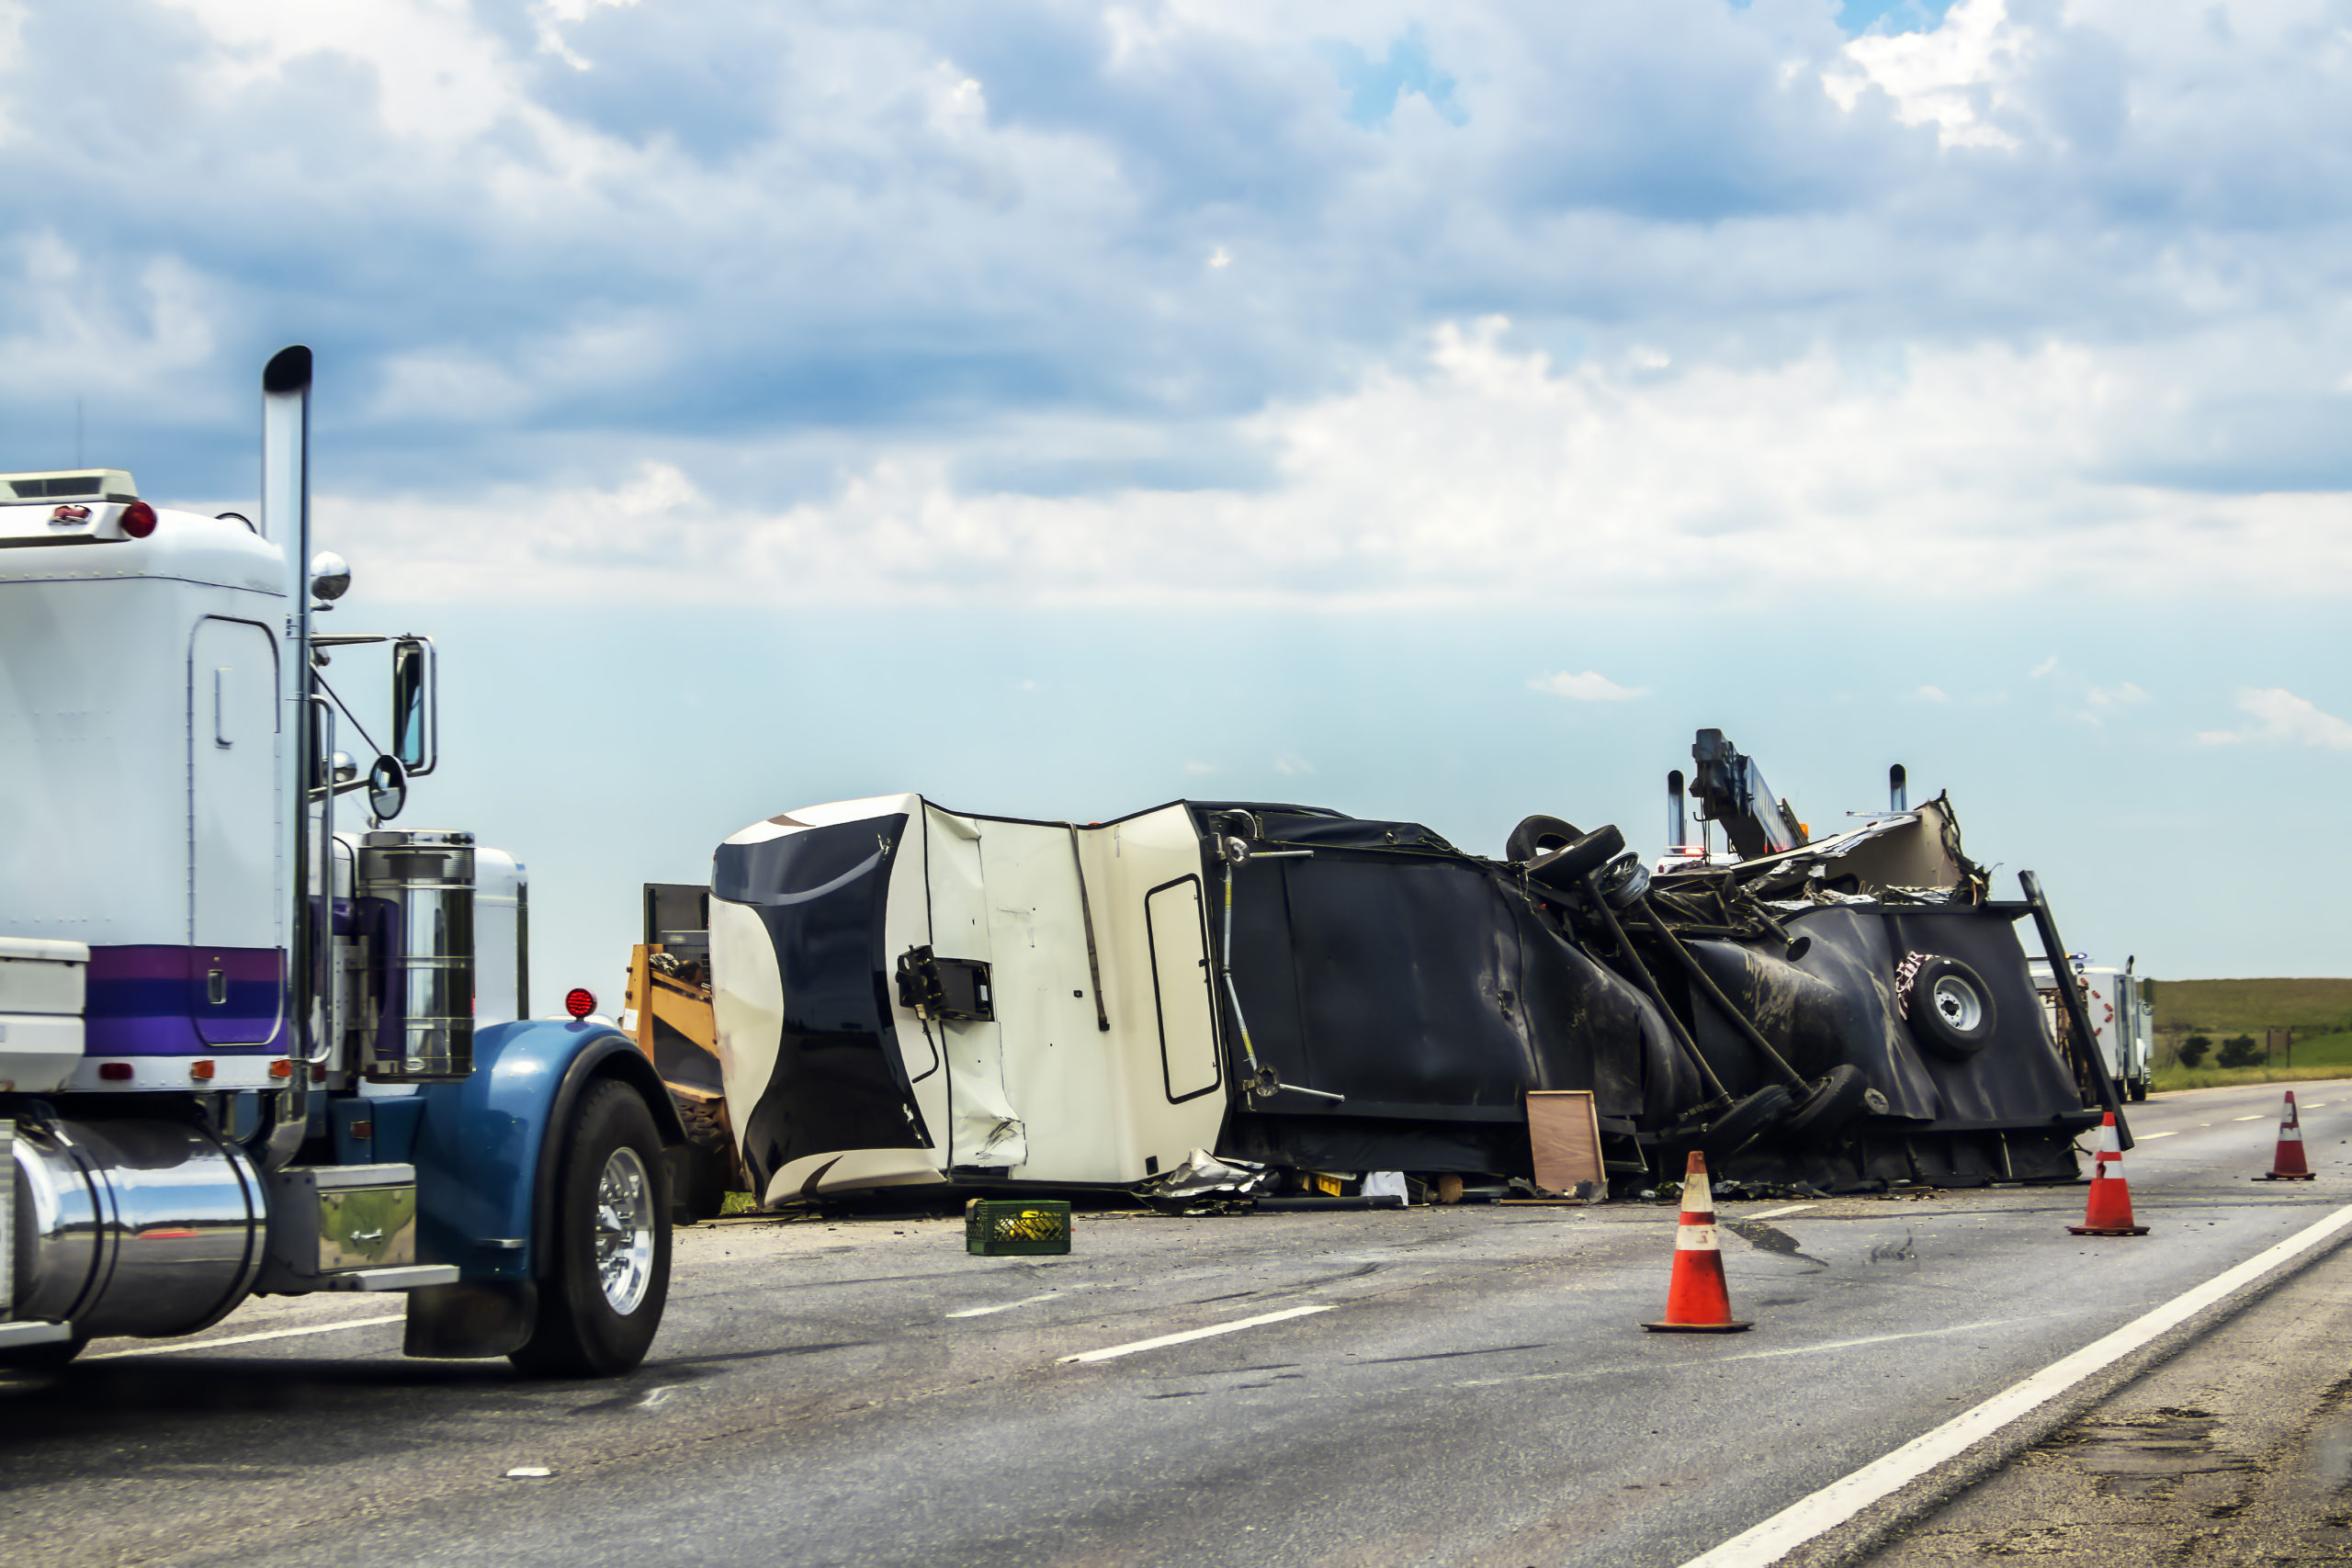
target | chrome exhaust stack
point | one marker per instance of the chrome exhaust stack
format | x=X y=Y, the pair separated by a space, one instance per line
x=286 y=522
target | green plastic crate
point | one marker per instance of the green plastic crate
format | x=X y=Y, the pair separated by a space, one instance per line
x=1015 y=1228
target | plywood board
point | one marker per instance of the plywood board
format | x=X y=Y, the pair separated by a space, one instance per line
x=1563 y=1132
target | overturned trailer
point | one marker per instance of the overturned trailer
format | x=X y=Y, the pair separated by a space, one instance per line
x=905 y=996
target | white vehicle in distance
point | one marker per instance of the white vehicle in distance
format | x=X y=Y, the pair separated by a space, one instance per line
x=2122 y=1019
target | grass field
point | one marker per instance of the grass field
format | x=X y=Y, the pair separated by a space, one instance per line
x=2224 y=1008
x=2318 y=1010
x=2322 y=1056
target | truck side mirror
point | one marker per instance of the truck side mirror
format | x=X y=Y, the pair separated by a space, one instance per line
x=416 y=715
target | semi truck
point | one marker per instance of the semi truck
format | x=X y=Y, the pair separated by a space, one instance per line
x=253 y=1040
x=2122 y=1021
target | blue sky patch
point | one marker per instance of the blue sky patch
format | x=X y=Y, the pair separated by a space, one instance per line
x=1375 y=85
x=1893 y=16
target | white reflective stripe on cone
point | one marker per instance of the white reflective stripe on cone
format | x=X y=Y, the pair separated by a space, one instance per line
x=1697 y=1196
x=1697 y=1238
x=2108 y=1145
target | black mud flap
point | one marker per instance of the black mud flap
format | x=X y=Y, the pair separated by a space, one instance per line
x=471 y=1320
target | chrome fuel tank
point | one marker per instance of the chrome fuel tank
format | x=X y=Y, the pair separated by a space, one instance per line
x=416 y=898
x=133 y=1227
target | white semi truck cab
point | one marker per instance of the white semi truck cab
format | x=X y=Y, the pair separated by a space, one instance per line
x=253 y=1038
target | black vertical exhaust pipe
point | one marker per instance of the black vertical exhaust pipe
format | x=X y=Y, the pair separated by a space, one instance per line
x=1898 y=792
x=1676 y=829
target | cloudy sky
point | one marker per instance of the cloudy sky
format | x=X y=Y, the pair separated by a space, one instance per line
x=1432 y=413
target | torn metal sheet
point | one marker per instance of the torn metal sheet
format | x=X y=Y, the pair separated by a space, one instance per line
x=1203 y=1173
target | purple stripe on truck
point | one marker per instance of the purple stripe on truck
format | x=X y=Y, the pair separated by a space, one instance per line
x=156 y=1001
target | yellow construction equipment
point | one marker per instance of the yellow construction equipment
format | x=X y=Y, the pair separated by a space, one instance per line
x=668 y=1004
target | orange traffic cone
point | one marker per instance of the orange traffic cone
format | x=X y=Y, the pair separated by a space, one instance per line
x=1696 y=1302
x=2287 y=1165
x=2109 y=1212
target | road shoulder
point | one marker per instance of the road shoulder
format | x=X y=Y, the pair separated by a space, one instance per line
x=2237 y=1450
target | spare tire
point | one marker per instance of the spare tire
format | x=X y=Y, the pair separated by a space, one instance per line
x=1950 y=1009
x=1746 y=1120
x=1839 y=1100
x=1537 y=834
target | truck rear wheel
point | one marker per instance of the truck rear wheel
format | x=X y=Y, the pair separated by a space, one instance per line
x=608 y=1274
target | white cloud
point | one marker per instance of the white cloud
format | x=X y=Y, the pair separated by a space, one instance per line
x=1486 y=475
x=1928 y=694
x=1198 y=769
x=1291 y=764
x=2046 y=667
x=1585 y=686
x=1220 y=258
x=1951 y=76
x=2107 y=698
x=2282 y=717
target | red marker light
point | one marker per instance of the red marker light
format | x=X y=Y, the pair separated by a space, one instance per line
x=137 y=520
x=201 y=1071
x=281 y=1070
x=115 y=1072
x=580 y=1001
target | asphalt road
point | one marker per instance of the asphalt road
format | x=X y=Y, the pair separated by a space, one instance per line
x=1471 y=1388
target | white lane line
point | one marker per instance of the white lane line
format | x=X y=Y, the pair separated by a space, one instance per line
x=1880 y=1338
x=1191 y=1334
x=1005 y=1306
x=2316 y=1105
x=2257 y=1116
x=1773 y=1214
x=1842 y=1499
x=2151 y=1137
x=245 y=1338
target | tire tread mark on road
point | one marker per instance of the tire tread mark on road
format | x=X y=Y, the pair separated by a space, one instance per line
x=1450 y=1354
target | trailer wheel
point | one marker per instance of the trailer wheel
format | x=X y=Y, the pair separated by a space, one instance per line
x=2139 y=1091
x=1950 y=1009
x=1746 y=1120
x=1836 y=1103
x=1537 y=834
x=601 y=1298
x=46 y=1358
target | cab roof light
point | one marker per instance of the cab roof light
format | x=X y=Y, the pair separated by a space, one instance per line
x=86 y=484
x=139 y=520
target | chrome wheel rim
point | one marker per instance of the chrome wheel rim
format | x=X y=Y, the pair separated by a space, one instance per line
x=1958 y=1001
x=624 y=1242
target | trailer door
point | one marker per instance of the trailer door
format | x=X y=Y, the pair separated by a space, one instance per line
x=1180 y=973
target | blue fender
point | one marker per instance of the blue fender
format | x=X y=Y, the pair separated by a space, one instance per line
x=484 y=1154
